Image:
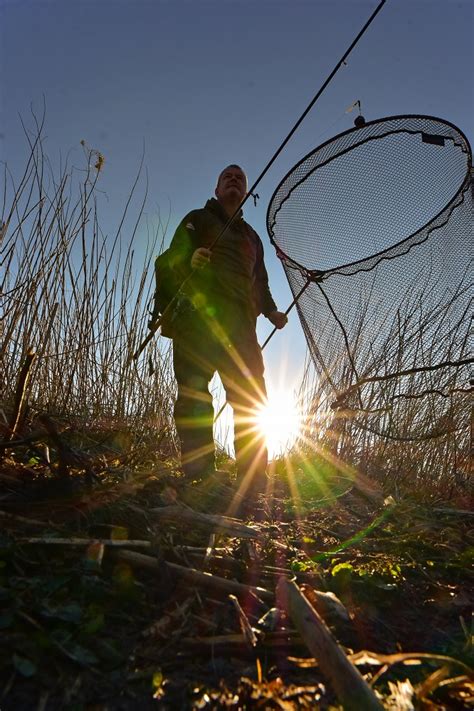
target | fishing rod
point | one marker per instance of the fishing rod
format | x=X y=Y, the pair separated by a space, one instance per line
x=156 y=325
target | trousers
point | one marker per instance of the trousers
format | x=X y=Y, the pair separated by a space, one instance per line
x=201 y=348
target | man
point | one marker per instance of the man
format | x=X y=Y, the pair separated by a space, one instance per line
x=214 y=329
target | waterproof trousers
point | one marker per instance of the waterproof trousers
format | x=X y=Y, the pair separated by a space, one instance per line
x=199 y=350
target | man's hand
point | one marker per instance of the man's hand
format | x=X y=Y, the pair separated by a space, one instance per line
x=200 y=258
x=278 y=318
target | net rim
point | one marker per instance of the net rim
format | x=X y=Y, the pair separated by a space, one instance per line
x=465 y=147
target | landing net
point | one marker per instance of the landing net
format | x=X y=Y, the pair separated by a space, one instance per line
x=378 y=222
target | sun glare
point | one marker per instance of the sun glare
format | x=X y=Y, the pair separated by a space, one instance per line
x=280 y=422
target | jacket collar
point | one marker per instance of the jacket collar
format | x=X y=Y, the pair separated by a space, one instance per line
x=214 y=206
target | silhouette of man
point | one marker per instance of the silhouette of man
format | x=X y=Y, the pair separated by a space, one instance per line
x=214 y=329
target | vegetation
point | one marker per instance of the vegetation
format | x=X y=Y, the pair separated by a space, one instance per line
x=78 y=300
x=103 y=598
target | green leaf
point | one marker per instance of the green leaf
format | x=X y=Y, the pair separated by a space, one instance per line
x=342 y=568
x=303 y=566
x=24 y=666
x=157 y=678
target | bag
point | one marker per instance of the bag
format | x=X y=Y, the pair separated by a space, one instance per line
x=165 y=289
x=168 y=280
x=165 y=282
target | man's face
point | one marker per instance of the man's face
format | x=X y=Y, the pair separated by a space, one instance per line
x=232 y=184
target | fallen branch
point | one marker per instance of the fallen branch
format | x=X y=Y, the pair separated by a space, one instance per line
x=368 y=489
x=249 y=635
x=350 y=686
x=386 y=661
x=185 y=516
x=85 y=542
x=23 y=519
x=161 y=628
x=207 y=580
x=273 y=640
x=39 y=436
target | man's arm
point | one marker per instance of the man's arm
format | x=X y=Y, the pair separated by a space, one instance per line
x=266 y=304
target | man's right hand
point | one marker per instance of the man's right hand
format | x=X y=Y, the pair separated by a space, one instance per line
x=200 y=258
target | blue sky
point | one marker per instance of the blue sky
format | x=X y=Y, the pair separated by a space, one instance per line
x=202 y=83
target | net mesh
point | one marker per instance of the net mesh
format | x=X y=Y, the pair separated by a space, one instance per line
x=378 y=223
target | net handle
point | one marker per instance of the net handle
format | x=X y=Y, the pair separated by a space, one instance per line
x=293 y=303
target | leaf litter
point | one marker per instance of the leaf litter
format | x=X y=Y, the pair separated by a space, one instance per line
x=115 y=594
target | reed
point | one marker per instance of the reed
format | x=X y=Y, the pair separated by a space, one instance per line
x=78 y=298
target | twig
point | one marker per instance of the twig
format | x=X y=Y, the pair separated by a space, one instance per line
x=23 y=519
x=273 y=640
x=390 y=376
x=207 y=580
x=368 y=489
x=16 y=442
x=160 y=628
x=245 y=626
x=455 y=512
x=185 y=516
x=209 y=549
x=350 y=686
x=86 y=542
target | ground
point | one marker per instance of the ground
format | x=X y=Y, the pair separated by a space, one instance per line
x=86 y=625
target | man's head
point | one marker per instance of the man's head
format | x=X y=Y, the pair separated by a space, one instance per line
x=231 y=185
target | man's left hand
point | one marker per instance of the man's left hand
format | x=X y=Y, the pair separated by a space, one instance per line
x=278 y=318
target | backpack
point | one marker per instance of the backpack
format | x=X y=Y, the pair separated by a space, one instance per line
x=165 y=283
x=168 y=281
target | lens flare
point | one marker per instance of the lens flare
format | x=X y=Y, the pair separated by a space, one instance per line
x=279 y=420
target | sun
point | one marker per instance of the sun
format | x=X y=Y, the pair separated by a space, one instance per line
x=280 y=422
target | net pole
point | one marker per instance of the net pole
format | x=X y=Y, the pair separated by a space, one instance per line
x=293 y=303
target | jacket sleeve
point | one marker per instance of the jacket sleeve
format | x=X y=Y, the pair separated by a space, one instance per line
x=264 y=299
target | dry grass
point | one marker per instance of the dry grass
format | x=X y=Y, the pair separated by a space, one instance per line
x=403 y=413
x=78 y=299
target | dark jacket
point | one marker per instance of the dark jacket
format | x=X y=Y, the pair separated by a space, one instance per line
x=236 y=281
